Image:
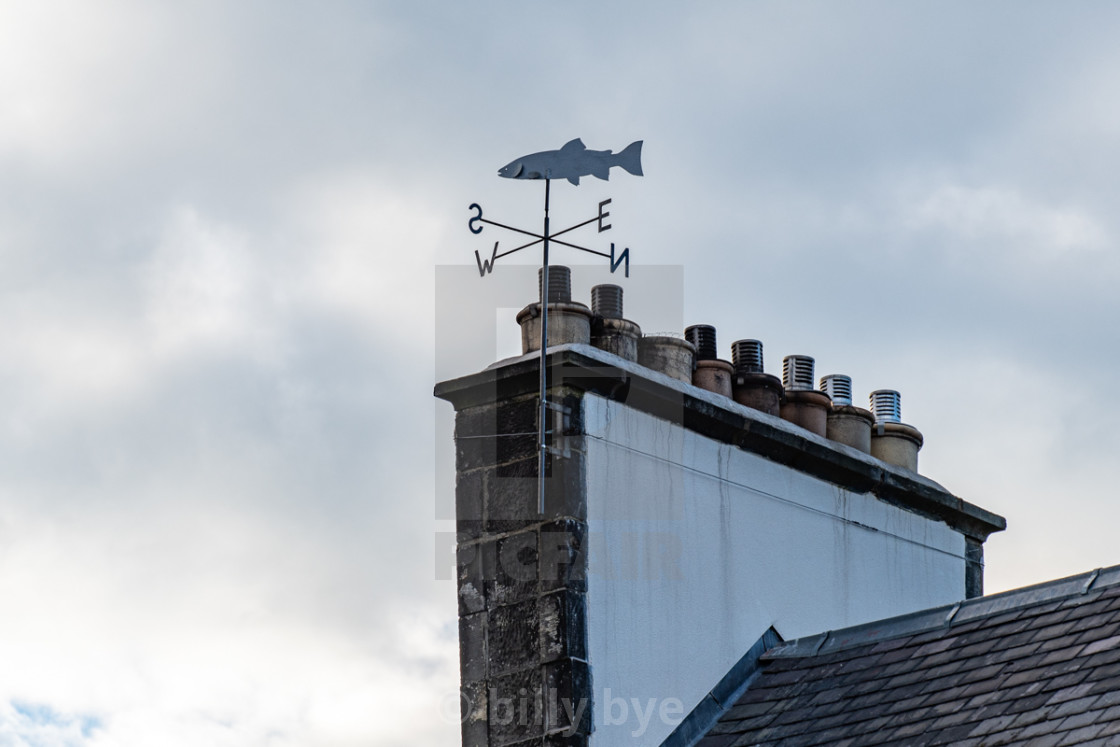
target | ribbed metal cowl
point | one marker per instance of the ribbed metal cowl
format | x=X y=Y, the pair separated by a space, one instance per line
x=797 y=372
x=559 y=284
x=606 y=301
x=703 y=336
x=746 y=356
x=886 y=405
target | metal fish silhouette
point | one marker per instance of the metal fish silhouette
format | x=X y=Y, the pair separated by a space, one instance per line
x=573 y=161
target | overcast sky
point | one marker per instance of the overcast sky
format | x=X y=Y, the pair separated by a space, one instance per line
x=220 y=228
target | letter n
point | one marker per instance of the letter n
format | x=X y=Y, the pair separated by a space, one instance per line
x=624 y=257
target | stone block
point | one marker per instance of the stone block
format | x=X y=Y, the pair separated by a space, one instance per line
x=563 y=555
x=512 y=499
x=563 y=625
x=494 y=434
x=514 y=576
x=468 y=505
x=568 y=706
x=476 y=565
x=473 y=651
x=474 y=714
x=516 y=707
x=512 y=636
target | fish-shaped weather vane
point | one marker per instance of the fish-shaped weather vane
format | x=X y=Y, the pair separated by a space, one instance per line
x=573 y=161
x=569 y=162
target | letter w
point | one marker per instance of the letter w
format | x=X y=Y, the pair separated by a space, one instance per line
x=488 y=266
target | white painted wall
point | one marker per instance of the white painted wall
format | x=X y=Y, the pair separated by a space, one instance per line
x=688 y=567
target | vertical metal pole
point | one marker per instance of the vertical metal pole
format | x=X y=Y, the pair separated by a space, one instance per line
x=544 y=343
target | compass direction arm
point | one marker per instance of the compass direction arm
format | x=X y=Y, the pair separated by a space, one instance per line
x=479 y=219
x=500 y=225
x=572 y=228
x=552 y=237
x=511 y=228
x=555 y=241
x=487 y=266
x=519 y=248
x=577 y=246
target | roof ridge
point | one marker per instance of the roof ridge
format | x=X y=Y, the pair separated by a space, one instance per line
x=947 y=615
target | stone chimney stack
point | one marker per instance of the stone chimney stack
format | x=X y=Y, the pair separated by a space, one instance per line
x=682 y=529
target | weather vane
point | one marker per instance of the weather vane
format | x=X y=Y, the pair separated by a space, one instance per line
x=571 y=162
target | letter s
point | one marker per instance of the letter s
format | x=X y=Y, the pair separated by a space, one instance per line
x=475 y=219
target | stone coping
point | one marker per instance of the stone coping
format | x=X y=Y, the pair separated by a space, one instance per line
x=587 y=369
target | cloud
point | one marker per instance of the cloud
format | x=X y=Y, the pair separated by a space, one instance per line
x=1003 y=218
x=218 y=226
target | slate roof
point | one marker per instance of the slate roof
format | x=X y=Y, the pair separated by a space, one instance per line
x=1037 y=666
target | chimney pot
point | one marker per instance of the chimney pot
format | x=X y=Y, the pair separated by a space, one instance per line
x=847 y=424
x=609 y=330
x=892 y=440
x=711 y=373
x=668 y=354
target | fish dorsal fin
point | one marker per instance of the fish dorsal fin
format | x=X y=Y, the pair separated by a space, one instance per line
x=574 y=145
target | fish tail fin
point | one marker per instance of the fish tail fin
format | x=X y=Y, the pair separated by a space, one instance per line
x=630 y=158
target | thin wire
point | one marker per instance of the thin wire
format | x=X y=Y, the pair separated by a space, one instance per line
x=787 y=501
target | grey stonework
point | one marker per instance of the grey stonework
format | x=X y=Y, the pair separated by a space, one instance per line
x=521 y=577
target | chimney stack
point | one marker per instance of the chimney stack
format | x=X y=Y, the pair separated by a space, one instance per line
x=679 y=533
